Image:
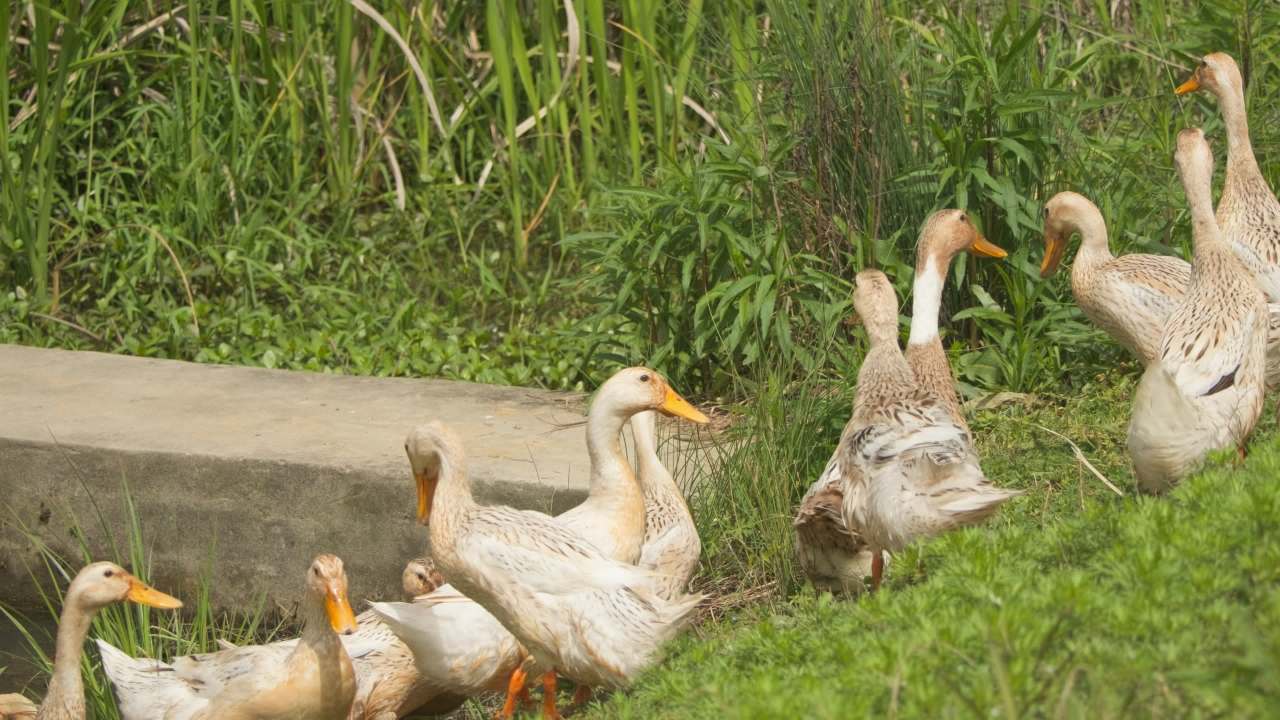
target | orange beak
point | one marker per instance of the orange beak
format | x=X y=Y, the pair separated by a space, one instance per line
x=1191 y=85
x=426 y=495
x=985 y=248
x=1054 y=245
x=144 y=594
x=338 y=609
x=674 y=405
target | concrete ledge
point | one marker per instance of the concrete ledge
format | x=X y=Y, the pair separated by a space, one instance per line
x=260 y=469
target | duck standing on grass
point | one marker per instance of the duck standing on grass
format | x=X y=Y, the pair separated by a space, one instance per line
x=96 y=586
x=576 y=611
x=834 y=556
x=1206 y=390
x=915 y=470
x=311 y=680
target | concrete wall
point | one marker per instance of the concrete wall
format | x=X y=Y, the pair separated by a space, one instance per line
x=245 y=474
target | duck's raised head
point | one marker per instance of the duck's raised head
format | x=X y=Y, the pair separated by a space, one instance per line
x=420 y=577
x=876 y=305
x=636 y=389
x=103 y=583
x=327 y=582
x=1217 y=73
x=1193 y=157
x=948 y=232
x=430 y=447
x=1067 y=213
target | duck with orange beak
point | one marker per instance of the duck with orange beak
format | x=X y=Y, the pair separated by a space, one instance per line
x=311 y=679
x=94 y=587
x=578 y=612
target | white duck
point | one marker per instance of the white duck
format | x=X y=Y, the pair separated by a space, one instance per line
x=613 y=515
x=96 y=586
x=916 y=473
x=313 y=679
x=575 y=610
x=1206 y=390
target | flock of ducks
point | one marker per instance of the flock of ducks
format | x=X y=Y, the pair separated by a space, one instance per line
x=593 y=594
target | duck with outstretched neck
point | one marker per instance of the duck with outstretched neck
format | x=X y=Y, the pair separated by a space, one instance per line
x=1206 y=390
x=945 y=234
x=1248 y=214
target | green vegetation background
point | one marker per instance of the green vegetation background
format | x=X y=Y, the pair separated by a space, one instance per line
x=497 y=190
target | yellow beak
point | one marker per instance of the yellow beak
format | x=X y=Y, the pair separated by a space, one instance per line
x=341 y=618
x=1054 y=245
x=144 y=594
x=1191 y=85
x=677 y=406
x=426 y=495
x=984 y=248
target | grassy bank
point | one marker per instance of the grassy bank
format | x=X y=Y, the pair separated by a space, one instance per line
x=1076 y=603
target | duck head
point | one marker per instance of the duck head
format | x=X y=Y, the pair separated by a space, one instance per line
x=103 y=583
x=327 y=582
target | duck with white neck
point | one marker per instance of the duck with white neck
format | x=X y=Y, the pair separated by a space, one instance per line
x=1206 y=390
x=945 y=234
x=1248 y=214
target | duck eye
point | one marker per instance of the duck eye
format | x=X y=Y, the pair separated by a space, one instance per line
x=644 y=378
x=108 y=573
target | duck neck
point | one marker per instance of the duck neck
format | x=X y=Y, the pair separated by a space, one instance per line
x=1094 y=243
x=316 y=630
x=1204 y=229
x=926 y=299
x=1240 y=159
x=66 y=688
x=452 y=503
x=610 y=471
x=655 y=482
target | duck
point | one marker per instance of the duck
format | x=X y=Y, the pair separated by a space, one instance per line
x=419 y=578
x=944 y=234
x=671 y=546
x=1129 y=297
x=575 y=610
x=835 y=557
x=388 y=685
x=613 y=515
x=916 y=471
x=1248 y=214
x=312 y=679
x=96 y=586
x=1206 y=390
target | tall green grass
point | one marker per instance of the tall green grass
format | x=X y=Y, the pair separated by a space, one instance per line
x=339 y=186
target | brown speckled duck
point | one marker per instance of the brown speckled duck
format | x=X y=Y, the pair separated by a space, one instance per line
x=915 y=472
x=1248 y=214
x=1205 y=392
x=1130 y=297
x=832 y=555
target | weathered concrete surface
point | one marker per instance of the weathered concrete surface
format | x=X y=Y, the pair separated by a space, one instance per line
x=259 y=469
